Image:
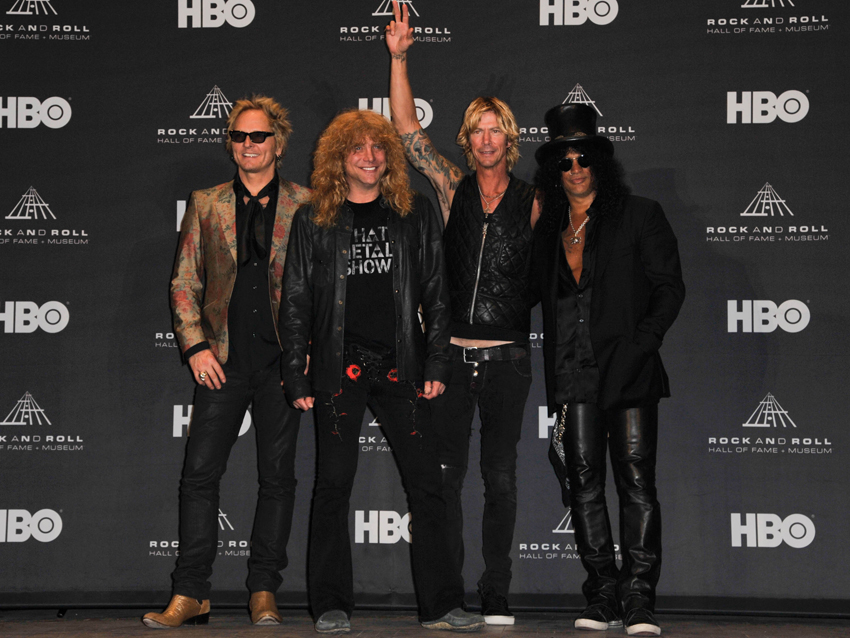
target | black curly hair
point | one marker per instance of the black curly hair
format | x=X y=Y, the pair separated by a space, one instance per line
x=608 y=177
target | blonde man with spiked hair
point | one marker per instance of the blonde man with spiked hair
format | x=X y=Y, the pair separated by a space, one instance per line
x=225 y=295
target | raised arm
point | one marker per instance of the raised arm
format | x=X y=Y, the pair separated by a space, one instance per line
x=443 y=175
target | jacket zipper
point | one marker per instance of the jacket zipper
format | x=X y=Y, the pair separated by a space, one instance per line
x=478 y=272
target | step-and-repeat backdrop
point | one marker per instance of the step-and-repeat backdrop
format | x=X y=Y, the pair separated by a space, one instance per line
x=731 y=113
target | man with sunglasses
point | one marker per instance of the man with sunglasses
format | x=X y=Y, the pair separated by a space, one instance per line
x=489 y=218
x=225 y=297
x=606 y=265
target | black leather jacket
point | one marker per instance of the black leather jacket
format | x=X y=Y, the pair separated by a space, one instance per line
x=488 y=276
x=312 y=307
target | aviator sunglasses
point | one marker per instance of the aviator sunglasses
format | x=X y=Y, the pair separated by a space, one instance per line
x=566 y=164
x=257 y=137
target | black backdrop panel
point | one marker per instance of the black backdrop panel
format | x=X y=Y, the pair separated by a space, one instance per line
x=729 y=112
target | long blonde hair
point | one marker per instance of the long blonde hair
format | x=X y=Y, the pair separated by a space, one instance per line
x=471 y=118
x=328 y=180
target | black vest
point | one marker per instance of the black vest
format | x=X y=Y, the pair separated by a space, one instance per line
x=488 y=281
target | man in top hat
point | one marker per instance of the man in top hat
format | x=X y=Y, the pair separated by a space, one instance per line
x=489 y=217
x=606 y=265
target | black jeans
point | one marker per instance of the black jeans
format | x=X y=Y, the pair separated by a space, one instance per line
x=215 y=427
x=406 y=422
x=630 y=436
x=499 y=389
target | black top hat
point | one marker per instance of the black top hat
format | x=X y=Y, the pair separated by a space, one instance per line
x=571 y=124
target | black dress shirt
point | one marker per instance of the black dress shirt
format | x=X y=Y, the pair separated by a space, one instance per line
x=577 y=375
x=250 y=323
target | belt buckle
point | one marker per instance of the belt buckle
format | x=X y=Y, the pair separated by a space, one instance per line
x=464 y=354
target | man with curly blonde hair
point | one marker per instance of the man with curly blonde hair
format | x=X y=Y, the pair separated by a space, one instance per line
x=225 y=294
x=363 y=258
x=489 y=216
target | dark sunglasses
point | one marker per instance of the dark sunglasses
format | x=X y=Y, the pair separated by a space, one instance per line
x=257 y=137
x=566 y=164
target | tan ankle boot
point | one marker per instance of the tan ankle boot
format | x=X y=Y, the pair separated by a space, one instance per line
x=182 y=610
x=263 y=609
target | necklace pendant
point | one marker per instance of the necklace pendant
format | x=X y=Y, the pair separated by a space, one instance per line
x=575 y=240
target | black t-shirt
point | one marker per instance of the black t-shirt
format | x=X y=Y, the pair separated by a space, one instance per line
x=370 y=319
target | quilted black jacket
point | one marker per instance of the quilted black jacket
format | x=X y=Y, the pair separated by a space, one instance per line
x=488 y=280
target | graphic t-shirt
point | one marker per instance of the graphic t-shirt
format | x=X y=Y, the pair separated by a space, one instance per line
x=369 y=305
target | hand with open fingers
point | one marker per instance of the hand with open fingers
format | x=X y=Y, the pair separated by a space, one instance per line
x=433 y=389
x=206 y=369
x=399 y=35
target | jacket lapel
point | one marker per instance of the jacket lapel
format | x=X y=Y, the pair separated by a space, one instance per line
x=280 y=213
x=554 y=257
x=607 y=235
x=225 y=208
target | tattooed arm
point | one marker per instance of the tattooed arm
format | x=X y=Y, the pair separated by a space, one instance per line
x=443 y=175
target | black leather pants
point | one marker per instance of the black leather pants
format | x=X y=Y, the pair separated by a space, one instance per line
x=631 y=437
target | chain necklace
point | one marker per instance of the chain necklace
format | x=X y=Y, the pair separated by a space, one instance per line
x=489 y=200
x=575 y=239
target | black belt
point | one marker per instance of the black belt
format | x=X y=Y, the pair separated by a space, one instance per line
x=506 y=352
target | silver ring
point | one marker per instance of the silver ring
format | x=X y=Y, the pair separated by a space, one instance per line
x=202 y=376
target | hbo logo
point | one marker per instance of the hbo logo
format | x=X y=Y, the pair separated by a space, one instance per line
x=768 y=530
x=182 y=421
x=381 y=106
x=573 y=12
x=17 y=526
x=381 y=527
x=26 y=316
x=214 y=13
x=29 y=112
x=763 y=107
x=765 y=316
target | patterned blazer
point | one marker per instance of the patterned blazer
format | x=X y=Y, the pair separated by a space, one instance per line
x=205 y=268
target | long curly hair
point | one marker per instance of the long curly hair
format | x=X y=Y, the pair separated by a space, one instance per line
x=476 y=109
x=608 y=177
x=330 y=187
x=277 y=116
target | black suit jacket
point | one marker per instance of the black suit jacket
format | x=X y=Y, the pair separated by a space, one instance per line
x=637 y=294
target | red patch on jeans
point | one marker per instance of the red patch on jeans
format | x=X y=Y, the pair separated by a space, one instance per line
x=353 y=372
x=419 y=393
x=392 y=375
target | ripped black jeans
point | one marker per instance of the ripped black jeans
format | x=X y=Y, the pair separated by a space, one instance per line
x=405 y=419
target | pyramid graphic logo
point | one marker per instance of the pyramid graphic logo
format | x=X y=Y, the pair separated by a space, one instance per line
x=222 y=521
x=769 y=414
x=386 y=8
x=566 y=524
x=579 y=96
x=26 y=412
x=767 y=203
x=215 y=105
x=31 y=7
x=766 y=4
x=31 y=206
